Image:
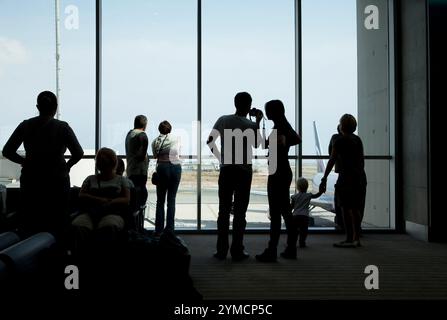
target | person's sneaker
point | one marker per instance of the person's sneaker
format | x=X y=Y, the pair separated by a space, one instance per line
x=240 y=256
x=345 y=244
x=288 y=255
x=266 y=256
x=357 y=243
x=219 y=255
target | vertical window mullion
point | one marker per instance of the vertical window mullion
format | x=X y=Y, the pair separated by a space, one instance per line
x=98 y=92
x=298 y=88
x=199 y=114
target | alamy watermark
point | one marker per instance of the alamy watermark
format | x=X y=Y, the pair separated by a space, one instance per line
x=71 y=21
x=372 y=18
x=72 y=279
x=372 y=280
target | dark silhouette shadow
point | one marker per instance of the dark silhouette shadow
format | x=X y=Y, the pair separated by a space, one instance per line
x=235 y=172
x=278 y=184
x=104 y=206
x=137 y=157
x=338 y=214
x=169 y=173
x=347 y=153
x=44 y=181
x=299 y=220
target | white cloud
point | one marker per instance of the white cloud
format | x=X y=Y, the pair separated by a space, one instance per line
x=11 y=52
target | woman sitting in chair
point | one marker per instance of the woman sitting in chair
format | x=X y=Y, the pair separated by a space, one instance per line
x=104 y=199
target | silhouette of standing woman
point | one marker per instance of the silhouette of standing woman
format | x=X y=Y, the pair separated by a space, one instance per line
x=278 y=185
x=166 y=150
x=347 y=152
x=45 y=180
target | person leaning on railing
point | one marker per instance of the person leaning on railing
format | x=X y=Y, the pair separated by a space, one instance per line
x=45 y=180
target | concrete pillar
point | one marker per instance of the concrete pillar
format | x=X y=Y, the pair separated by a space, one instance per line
x=374 y=106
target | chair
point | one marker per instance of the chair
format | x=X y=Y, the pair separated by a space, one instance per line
x=7 y=239
x=23 y=257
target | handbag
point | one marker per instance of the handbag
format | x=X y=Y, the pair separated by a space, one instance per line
x=155 y=176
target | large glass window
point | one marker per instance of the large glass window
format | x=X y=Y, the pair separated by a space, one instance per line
x=150 y=62
x=77 y=69
x=27 y=63
x=27 y=67
x=329 y=88
x=150 y=68
x=329 y=68
x=337 y=51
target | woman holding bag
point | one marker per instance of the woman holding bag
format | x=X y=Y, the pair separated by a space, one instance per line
x=169 y=171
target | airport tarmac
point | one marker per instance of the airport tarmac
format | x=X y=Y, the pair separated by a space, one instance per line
x=257 y=213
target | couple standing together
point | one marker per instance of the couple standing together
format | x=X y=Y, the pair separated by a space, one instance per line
x=165 y=149
x=238 y=136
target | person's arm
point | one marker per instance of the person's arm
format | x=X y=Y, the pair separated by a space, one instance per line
x=328 y=170
x=92 y=199
x=292 y=202
x=154 y=150
x=85 y=196
x=144 y=144
x=293 y=138
x=13 y=144
x=318 y=194
x=74 y=147
x=123 y=199
x=211 y=142
x=331 y=142
x=258 y=136
x=212 y=138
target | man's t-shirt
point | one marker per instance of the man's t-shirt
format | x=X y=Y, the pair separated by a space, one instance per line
x=137 y=164
x=45 y=141
x=240 y=135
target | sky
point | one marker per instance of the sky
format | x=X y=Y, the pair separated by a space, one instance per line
x=150 y=63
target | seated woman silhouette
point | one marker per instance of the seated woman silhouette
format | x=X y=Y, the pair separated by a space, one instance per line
x=104 y=200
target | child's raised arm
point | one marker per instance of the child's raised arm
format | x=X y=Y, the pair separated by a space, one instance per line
x=319 y=193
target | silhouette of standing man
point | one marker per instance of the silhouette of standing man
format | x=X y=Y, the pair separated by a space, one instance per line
x=238 y=135
x=137 y=158
x=45 y=180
